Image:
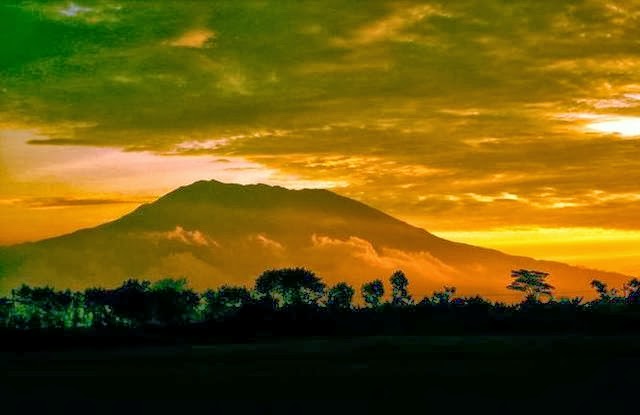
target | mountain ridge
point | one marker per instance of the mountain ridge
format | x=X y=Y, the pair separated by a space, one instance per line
x=222 y=233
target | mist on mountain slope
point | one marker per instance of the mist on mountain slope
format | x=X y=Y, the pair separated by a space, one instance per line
x=215 y=233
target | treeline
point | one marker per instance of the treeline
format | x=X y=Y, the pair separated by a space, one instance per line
x=297 y=301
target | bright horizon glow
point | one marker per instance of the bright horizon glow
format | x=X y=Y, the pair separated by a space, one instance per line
x=598 y=248
x=624 y=126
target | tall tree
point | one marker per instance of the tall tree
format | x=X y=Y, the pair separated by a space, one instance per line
x=131 y=302
x=531 y=283
x=224 y=301
x=291 y=286
x=340 y=296
x=399 y=294
x=98 y=307
x=372 y=293
x=173 y=302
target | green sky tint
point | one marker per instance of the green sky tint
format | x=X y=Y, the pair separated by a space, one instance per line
x=434 y=109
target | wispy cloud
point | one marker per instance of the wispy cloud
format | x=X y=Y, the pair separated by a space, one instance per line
x=64 y=202
x=394 y=26
x=72 y=10
x=189 y=237
x=197 y=38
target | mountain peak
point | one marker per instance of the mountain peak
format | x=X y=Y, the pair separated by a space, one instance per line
x=222 y=233
x=259 y=196
x=218 y=188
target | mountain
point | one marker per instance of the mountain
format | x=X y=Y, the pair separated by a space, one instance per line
x=215 y=233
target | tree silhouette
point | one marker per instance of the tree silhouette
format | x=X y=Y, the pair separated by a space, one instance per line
x=41 y=307
x=372 y=293
x=238 y=311
x=172 y=301
x=225 y=301
x=444 y=296
x=290 y=286
x=532 y=283
x=97 y=305
x=605 y=294
x=5 y=311
x=399 y=294
x=131 y=302
x=632 y=291
x=340 y=296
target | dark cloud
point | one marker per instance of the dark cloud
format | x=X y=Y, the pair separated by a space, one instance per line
x=59 y=202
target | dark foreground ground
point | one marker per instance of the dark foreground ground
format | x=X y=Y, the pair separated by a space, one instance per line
x=474 y=374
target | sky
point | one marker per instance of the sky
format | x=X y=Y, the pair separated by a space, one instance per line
x=512 y=124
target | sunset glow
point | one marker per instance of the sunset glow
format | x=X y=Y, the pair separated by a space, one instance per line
x=625 y=126
x=512 y=125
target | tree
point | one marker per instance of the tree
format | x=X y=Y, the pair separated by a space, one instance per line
x=632 y=291
x=5 y=311
x=605 y=294
x=532 y=283
x=131 y=302
x=97 y=304
x=443 y=296
x=399 y=294
x=172 y=301
x=372 y=293
x=340 y=296
x=41 y=307
x=290 y=286
x=224 y=301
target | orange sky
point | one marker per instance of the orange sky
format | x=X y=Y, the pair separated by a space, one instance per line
x=514 y=126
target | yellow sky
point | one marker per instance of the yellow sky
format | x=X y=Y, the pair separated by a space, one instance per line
x=513 y=125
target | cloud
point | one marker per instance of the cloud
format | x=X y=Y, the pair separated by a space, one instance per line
x=73 y=9
x=64 y=202
x=266 y=242
x=384 y=260
x=393 y=27
x=187 y=237
x=74 y=12
x=197 y=38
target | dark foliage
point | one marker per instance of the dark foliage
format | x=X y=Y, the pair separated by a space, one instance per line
x=290 y=286
x=399 y=284
x=372 y=293
x=292 y=302
x=340 y=296
x=225 y=301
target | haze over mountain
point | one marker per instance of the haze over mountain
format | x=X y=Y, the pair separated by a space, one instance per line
x=215 y=233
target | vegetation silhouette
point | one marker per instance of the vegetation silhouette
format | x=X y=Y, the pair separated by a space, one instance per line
x=290 y=286
x=400 y=295
x=296 y=302
x=340 y=296
x=532 y=283
x=372 y=293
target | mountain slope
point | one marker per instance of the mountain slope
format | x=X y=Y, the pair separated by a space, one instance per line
x=215 y=233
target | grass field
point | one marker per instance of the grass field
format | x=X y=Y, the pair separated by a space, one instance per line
x=556 y=374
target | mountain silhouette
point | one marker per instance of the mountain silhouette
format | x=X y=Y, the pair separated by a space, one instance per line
x=215 y=233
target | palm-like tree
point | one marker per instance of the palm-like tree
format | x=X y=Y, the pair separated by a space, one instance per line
x=532 y=283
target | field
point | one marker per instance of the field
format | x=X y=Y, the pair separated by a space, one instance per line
x=568 y=374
